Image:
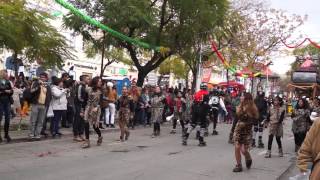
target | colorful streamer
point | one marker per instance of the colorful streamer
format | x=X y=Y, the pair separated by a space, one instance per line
x=300 y=44
x=112 y=32
x=227 y=65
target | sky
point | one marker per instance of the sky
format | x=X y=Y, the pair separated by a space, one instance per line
x=309 y=29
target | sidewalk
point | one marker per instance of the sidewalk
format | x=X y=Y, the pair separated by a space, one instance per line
x=19 y=135
x=19 y=131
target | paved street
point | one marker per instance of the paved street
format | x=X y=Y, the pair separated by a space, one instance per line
x=142 y=157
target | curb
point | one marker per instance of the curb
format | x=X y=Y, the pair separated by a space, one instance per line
x=292 y=165
x=27 y=139
x=108 y=130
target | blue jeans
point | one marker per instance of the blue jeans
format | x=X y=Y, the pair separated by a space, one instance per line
x=5 y=108
x=141 y=116
x=56 y=120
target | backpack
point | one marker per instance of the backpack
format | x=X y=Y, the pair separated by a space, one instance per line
x=214 y=100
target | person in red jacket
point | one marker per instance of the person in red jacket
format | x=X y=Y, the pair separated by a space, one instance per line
x=200 y=109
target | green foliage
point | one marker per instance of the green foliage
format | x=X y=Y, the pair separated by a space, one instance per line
x=307 y=50
x=174 y=65
x=175 y=24
x=26 y=32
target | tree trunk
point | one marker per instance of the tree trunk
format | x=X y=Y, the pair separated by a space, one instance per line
x=159 y=80
x=194 y=83
x=141 y=76
x=187 y=80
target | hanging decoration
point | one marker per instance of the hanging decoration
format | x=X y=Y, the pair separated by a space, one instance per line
x=227 y=65
x=112 y=32
x=300 y=44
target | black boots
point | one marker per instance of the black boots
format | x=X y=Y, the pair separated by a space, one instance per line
x=253 y=143
x=214 y=132
x=202 y=142
x=184 y=139
x=238 y=168
x=260 y=143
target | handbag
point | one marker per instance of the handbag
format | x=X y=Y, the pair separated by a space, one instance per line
x=50 y=111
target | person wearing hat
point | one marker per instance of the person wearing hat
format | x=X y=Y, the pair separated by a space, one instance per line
x=200 y=109
x=109 y=99
x=274 y=121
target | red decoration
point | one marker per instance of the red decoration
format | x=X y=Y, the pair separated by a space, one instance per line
x=300 y=44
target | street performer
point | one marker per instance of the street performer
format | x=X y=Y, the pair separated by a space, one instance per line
x=200 y=109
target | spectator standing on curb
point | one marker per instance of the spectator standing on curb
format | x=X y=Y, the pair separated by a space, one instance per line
x=6 y=92
x=59 y=105
x=110 y=97
x=81 y=98
x=41 y=97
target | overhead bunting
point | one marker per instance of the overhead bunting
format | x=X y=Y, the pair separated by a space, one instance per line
x=227 y=65
x=300 y=44
x=112 y=32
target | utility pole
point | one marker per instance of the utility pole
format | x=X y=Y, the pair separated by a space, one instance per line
x=199 y=72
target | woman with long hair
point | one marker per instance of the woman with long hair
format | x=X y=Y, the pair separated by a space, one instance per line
x=247 y=115
x=301 y=122
x=93 y=111
x=274 y=121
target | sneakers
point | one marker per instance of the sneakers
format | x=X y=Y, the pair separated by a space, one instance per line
x=248 y=163
x=184 y=143
x=260 y=144
x=253 y=143
x=173 y=131
x=121 y=139
x=127 y=136
x=99 y=141
x=214 y=132
x=280 y=153
x=86 y=144
x=8 y=138
x=268 y=154
x=238 y=168
x=202 y=143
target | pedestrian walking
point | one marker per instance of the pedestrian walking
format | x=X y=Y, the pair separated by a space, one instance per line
x=157 y=104
x=125 y=106
x=275 y=119
x=247 y=114
x=262 y=106
x=93 y=111
x=216 y=104
x=200 y=110
x=301 y=122
x=179 y=105
x=81 y=99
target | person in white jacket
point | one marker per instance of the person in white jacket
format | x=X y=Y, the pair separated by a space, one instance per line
x=59 y=105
